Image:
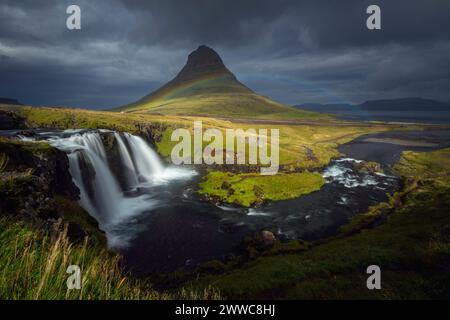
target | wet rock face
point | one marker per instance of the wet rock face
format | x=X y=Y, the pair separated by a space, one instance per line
x=36 y=186
x=10 y=120
x=43 y=161
x=151 y=132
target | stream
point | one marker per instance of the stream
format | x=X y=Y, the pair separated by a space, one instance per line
x=153 y=216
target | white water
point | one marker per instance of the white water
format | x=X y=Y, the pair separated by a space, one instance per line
x=100 y=192
x=130 y=170
x=255 y=212
x=345 y=175
x=146 y=160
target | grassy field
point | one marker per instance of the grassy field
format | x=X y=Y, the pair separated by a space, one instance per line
x=303 y=146
x=412 y=248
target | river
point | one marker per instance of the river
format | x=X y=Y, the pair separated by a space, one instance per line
x=158 y=222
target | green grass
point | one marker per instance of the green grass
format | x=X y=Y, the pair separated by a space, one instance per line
x=248 y=189
x=78 y=119
x=412 y=249
x=229 y=105
x=216 y=95
x=33 y=266
x=434 y=165
x=302 y=146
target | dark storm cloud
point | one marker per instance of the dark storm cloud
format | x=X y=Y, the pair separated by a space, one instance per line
x=291 y=50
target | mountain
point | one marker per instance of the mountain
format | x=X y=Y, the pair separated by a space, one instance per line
x=9 y=101
x=391 y=110
x=407 y=104
x=205 y=86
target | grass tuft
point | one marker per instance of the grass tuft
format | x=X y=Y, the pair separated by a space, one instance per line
x=33 y=266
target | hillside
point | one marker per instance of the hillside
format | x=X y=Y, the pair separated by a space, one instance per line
x=205 y=86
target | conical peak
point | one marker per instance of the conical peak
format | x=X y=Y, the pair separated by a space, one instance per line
x=204 y=57
x=202 y=62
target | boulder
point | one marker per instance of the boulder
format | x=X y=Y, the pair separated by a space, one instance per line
x=367 y=166
x=268 y=239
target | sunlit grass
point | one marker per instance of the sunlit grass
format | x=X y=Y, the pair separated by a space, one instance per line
x=301 y=146
x=412 y=248
x=248 y=189
x=33 y=266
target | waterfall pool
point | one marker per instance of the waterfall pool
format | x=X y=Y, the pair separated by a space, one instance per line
x=153 y=216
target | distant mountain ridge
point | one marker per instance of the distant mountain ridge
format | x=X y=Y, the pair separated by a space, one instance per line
x=401 y=110
x=404 y=103
x=9 y=101
x=205 y=86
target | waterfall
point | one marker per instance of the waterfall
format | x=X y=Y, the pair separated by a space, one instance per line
x=130 y=173
x=87 y=150
x=100 y=191
x=146 y=161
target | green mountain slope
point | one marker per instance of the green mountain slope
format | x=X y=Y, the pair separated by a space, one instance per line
x=206 y=87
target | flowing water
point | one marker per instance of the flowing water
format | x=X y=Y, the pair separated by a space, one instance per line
x=100 y=191
x=151 y=213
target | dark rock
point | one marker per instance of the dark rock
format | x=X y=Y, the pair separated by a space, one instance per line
x=268 y=239
x=259 y=242
x=27 y=133
x=369 y=166
x=151 y=132
x=201 y=62
x=38 y=188
x=10 y=120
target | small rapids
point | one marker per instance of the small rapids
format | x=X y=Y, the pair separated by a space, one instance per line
x=152 y=214
x=341 y=171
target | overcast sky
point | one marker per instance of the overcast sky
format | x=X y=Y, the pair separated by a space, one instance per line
x=293 y=51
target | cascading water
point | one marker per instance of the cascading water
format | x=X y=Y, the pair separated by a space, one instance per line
x=100 y=191
x=130 y=170
x=146 y=160
x=133 y=197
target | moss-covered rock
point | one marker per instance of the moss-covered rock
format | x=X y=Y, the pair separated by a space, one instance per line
x=252 y=189
x=368 y=166
x=36 y=186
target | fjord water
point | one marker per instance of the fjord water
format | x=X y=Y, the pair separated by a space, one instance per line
x=154 y=217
